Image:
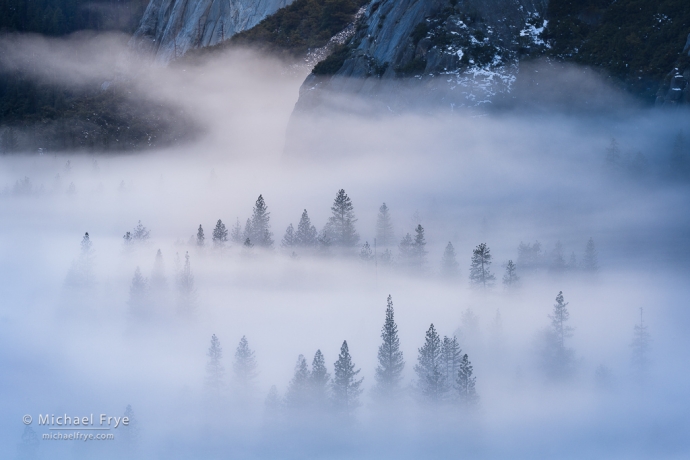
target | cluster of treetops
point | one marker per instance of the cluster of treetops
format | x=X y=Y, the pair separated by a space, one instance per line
x=444 y=375
x=340 y=234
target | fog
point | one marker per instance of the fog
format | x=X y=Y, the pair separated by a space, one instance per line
x=75 y=341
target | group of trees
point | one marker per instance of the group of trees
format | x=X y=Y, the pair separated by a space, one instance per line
x=532 y=256
x=444 y=375
x=244 y=369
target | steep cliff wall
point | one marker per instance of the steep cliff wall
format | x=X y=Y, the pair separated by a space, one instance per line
x=172 y=27
x=457 y=52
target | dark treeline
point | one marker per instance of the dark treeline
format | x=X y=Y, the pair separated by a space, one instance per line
x=51 y=117
x=60 y=17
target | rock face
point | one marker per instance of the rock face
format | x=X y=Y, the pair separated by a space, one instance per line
x=172 y=27
x=675 y=90
x=460 y=52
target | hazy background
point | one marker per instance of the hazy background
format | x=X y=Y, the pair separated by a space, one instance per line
x=500 y=178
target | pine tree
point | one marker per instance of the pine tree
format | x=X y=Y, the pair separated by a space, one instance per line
x=28 y=448
x=366 y=254
x=390 y=358
x=186 y=289
x=429 y=368
x=138 y=293
x=272 y=404
x=385 y=235
x=480 y=275
x=406 y=248
x=87 y=257
x=613 y=154
x=451 y=357
x=510 y=278
x=558 y=360
x=557 y=259
x=530 y=256
x=248 y=231
x=306 y=235
x=289 y=238
x=345 y=386
x=260 y=225
x=158 y=280
x=215 y=372
x=244 y=366
x=318 y=380
x=141 y=234
x=81 y=273
x=130 y=432
x=449 y=263
x=297 y=395
x=572 y=262
x=220 y=234
x=341 y=225
x=418 y=248
x=465 y=383
x=640 y=350
x=236 y=233
x=590 y=261
x=128 y=239
x=200 y=237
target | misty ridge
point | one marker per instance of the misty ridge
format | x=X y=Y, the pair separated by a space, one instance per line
x=348 y=282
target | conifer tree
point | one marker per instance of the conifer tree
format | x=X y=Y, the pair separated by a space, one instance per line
x=429 y=368
x=272 y=404
x=613 y=154
x=306 y=235
x=87 y=257
x=260 y=225
x=418 y=248
x=318 y=380
x=185 y=288
x=220 y=234
x=341 y=224
x=385 y=235
x=640 y=350
x=138 y=293
x=390 y=358
x=557 y=259
x=406 y=248
x=572 y=262
x=530 y=256
x=465 y=383
x=128 y=239
x=236 y=233
x=345 y=386
x=27 y=449
x=366 y=254
x=200 y=237
x=215 y=372
x=451 y=357
x=244 y=366
x=590 y=261
x=510 y=278
x=558 y=359
x=449 y=263
x=297 y=395
x=248 y=231
x=158 y=280
x=141 y=234
x=480 y=275
x=289 y=238
x=130 y=432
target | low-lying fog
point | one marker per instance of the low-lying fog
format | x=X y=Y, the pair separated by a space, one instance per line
x=81 y=335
